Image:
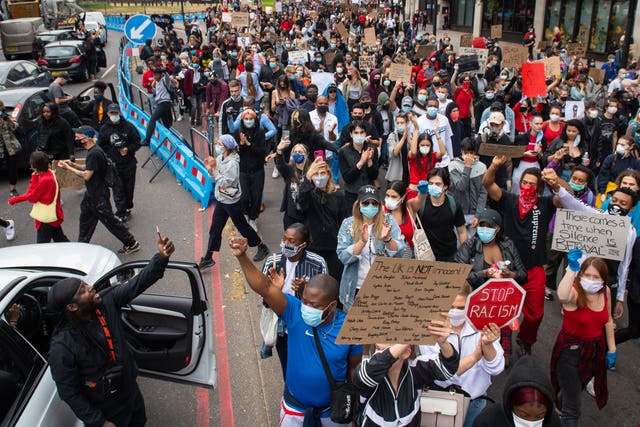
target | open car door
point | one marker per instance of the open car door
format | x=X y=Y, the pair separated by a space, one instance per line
x=169 y=326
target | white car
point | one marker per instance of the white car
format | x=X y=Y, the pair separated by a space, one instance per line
x=168 y=327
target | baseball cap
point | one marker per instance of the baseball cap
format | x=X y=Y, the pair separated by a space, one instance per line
x=496 y=118
x=87 y=131
x=368 y=192
x=113 y=108
x=407 y=101
x=61 y=293
x=491 y=217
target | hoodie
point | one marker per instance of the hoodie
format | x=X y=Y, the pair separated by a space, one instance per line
x=456 y=129
x=526 y=373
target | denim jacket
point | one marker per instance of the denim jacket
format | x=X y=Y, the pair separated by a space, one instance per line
x=350 y=261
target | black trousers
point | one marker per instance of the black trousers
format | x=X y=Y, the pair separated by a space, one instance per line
x=47 y=233
x=123 y=191
x=130 y=414
x=162 y=112
x=221 y=214
x=252 y=185
x=92 y=211
x=12 y=168
x=570 y=386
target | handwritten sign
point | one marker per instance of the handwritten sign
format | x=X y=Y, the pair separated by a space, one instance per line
x=342 y=30
x=497 y=301
x=244 y=40
x=424 y=50
x=226 y=17
x=367 y=62
x=600 y=235
x=370 y=36
x=400 y=72
x=482 y=54
x=298 y=57
x=509 y=151
x=68 y=180
x=401 y=59
x=514 y=56
x=552 y=66
x=573 y=110
x=496 y=31
x=398 y=299
x=597 y=75
x=533 y=80
x=239 y=20
x=576 y=49
x=465 y=40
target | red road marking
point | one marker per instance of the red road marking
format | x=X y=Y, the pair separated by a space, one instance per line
x=222 y=358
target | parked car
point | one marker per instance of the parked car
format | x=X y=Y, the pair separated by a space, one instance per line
x=65 y=57
x=21 y=74
x=168 y=327
x=49 y=36
x=17 y=36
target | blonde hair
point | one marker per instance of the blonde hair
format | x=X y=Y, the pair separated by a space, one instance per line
x=378 y=222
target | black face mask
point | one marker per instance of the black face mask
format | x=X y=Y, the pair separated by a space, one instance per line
x=524 y=108
x=564 y=98
x=322 y=109
x=312 y=97
x=365 y=105
x=617 y=210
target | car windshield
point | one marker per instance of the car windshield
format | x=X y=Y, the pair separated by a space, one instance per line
x=91 y=25
x=60 y=51
x=47 y=37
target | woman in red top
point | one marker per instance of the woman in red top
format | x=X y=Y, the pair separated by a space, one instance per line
x=463 y=96
x=43 y=188
x=579 y=351
x=553 y=127
x=395 y=202
x=422 y=159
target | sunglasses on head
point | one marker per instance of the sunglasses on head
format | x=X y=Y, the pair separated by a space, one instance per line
x=370 y=202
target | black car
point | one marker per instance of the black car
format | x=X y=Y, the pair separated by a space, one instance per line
x=46 y=37
x=66 y=57
x=21 y=74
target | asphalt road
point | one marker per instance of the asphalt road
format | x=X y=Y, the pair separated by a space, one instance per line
x=249 y=388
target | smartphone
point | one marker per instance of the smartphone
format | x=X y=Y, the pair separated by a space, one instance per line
x=285 y=134
x=158 y=231
x=318 y=153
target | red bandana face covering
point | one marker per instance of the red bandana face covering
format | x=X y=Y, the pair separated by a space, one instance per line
x=528 y=199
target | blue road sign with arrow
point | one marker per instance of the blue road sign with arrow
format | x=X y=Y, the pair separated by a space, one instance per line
x=139 y=28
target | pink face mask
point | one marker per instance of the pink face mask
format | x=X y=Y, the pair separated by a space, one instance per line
x=455 y=115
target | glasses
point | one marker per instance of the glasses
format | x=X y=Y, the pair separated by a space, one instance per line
x=369 y=202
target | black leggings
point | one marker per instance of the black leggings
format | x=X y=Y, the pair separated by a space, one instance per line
x=221 y=213
x=12 y=169
x=47 y=233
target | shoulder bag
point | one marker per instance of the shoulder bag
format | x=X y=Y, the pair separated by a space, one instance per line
x=443 y=408
x=343 y=394
x=421 y=245
x=46 y=213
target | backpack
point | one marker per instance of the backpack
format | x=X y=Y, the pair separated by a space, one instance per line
x=110 y=171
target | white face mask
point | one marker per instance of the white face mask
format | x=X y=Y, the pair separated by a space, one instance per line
x=519 y=422
x=424 y=150
x=593 y=114
x=612 y=110
x=391 y=203
x=591 y=286
x=554 y=117
x=456 y=316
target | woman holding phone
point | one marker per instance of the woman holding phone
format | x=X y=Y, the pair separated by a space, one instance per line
x=293 y=173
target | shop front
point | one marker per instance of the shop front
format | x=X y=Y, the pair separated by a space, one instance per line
x=514 y=15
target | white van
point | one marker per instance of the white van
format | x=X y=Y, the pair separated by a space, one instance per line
x=18 y=36
x=99 y=18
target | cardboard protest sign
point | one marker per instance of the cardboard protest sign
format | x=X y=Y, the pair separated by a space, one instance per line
x=482 y=54
x=322 y=80
x=68 y=180
x=533 y=80
x=370 y=36
x=496 y=31
x=424 y=50
x=239 y=19
x=542 y=45
x=298 y=56
x=514 y=56
x=226 y=17
x=465 y=40
x=342 y=30
x=329 y=57
x=400 y=72
x=509 y=151
x=573 y=110
x=497 y=301
x=401 y=59
x=597 y=75
x=600 y=235
x=279 y=6
x=367 y=62
x=576 y=49
x=398 y=299
x=551 y=66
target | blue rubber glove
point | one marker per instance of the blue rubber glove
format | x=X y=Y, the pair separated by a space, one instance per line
x=573 y=256
x=423 y=187
x=611 y=360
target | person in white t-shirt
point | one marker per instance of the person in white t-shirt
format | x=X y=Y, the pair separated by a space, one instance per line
x=325 y=123
x=426 y=123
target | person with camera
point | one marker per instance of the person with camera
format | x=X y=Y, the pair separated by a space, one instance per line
x=9 y=148
x=91 y=364
x=120 y=141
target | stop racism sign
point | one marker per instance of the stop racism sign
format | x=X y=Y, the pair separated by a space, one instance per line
x=497 y=301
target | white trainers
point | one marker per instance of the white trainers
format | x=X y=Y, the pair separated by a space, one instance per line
x=590 y=389
x=10 y=230
x=275 y=173
x=179 y=118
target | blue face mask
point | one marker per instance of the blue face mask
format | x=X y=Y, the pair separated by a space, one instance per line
x=298 y=157
x=218 y=150
x=333 y=45
x=490 y=95
x=249 y=123
x=318 y=59
x=272 y=65
x=406 y=109
x=369 y=211
x=207 y=74
x=194 y=52
x=422 y=98
x=195 y=66
x=234 y=54
x=432 y=112
x=486 y=234
x=576 y=187
x=434 y=190
x=400 y=129
x=311 y=316
x=97 y=97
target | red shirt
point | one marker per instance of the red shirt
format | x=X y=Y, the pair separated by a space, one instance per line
x=549 y=134
x=428 y=162
x=406 y=228
x=464 y=98
x=42 y=188
x=585 y=323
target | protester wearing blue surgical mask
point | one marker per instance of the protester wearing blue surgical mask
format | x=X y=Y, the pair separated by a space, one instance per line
x=293 y=173
x=440 y=214
x=369 y=232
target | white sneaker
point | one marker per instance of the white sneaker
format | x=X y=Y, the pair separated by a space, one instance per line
x=590 y=389
x=179 y=118
x=252 y=223
x=10 y=231
x=275 y=173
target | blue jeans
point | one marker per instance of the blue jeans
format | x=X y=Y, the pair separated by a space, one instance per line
x=475 y=407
